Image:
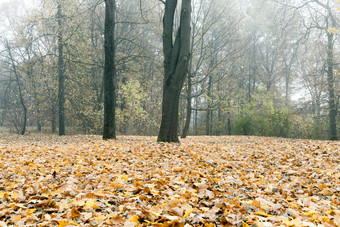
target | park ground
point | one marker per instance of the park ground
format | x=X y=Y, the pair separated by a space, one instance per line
x=135 y=181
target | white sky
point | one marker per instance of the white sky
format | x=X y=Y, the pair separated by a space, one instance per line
x=25 y=2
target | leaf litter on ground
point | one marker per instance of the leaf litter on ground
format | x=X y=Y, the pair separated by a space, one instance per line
x=135 y=181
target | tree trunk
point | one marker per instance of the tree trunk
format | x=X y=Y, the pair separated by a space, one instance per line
x=17 y=80
x=61 y=76
x=330 y=80
x=109 y=71
x=39 y=126
x=209 y=111
x=196 y=118
x=176 y=59
x=189 y=110
x=53 y=120
x=229 y=119
x=123 y=107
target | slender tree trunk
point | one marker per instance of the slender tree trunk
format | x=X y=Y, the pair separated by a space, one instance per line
x=229 y=119
x=209 y=112
x=287 y=86
x=176 y=59
x=249 y=86
x=109 y=71
x=39 y=125
x=196 y=118
x=123 y=108
x=330 y=80
x=54 y=120
x=254 y=64
x=17 y=80
x=189 y=109
x=189 y=91
x=61 y=76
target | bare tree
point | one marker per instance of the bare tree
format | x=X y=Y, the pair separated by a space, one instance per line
x=20 y=89
x=176 y=59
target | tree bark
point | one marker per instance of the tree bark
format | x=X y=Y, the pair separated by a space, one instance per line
x=208 y=125
x=53 y=118
x=109 y=71
x=330 y=80
x=176 y=59
x=189 y=110
x=61 y=76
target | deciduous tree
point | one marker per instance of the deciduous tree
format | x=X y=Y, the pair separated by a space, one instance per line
x=176 y=59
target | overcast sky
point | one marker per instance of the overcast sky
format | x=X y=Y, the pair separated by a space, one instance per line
x=25 y=2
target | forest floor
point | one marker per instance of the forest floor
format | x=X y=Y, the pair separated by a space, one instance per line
x=135 y=181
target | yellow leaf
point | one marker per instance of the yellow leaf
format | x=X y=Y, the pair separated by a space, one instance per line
x=14 y=195
x=74 y=213
x=256 y=203
x=244 y=224
x=322 y=186
x=115 y=185
x=63 y=223
x=134 y=219
x=78 y=203
x=124 y=177
x=187 y=213
x=333 y=30
x=215 y=179
x=260 y=213
x=16 y=218
x=90 y=204
x=294 y=222
x=30 y=211
x=309 y=213
x=293 y=205
x=315 y=218
x=326 y=192
x=2 y=194
x=63 y=204
x=325 y=219
x=118 y=220
x=100 y=218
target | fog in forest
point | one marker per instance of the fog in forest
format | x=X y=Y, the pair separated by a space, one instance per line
x=256 y=67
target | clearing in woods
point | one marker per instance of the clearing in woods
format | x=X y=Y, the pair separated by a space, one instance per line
x=135 y=181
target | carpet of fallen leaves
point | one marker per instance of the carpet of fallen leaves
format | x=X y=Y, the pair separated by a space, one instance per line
x=135 y=181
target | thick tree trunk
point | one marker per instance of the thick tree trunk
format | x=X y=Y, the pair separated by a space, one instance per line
x=330 y=79
x=109 y=71
x=176 y=59
x=61 y=76
x=169 y=126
